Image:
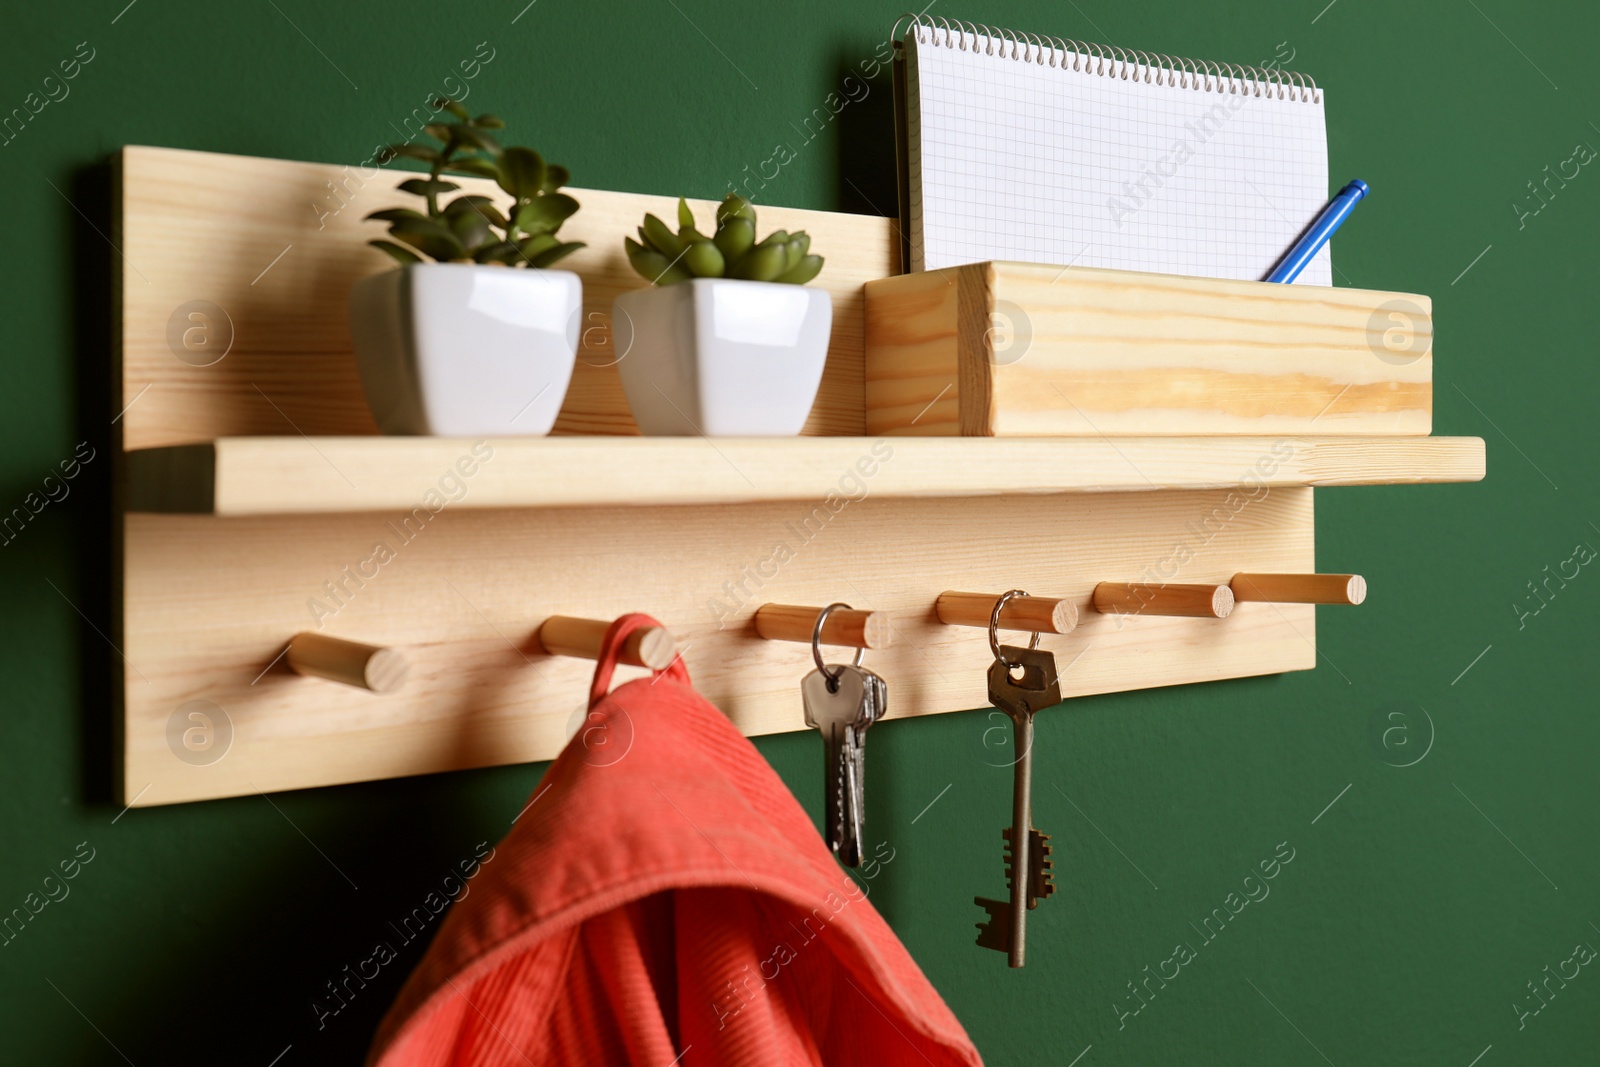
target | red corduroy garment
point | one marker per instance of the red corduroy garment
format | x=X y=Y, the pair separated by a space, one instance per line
x=665 y=896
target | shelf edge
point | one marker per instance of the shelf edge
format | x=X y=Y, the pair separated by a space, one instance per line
x=293 y=475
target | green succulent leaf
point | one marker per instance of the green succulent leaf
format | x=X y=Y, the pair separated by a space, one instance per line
x=539 y=242
x=685 y=216
x=481 y=205
x=499 y=252
x=427 y=186
x=735 y=237
x=476 y=138
x=395 y=214
x=793 y=251
x=735 y=207
x=555 y=176
x=444 y=103
x=415 y=151
x=439 y=131
x=550 y=255
x=776 y=237
x=662 y=239
x=652 y=265
x=487 y=121
x=702 y=259
x=429 y=237
x=764 y=263
x=403 y=255
x=522 y=172
x=471 y=229
x=808 y=267
x=476 y=166
x=545 y=214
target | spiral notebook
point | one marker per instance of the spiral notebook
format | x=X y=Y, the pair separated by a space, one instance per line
x=1035 y=149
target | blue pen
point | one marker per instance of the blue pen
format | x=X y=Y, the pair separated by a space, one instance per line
x=1289 y=268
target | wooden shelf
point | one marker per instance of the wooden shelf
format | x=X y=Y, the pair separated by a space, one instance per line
x=233 y=544
x=303 y=475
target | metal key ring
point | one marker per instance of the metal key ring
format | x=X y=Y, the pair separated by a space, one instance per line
x=816 y=646
x=994 y=626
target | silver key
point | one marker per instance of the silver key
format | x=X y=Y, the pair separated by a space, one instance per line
x=873 y=709
x=841 y=704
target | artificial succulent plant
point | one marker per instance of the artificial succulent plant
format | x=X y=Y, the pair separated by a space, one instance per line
x=470 y=228
x=665 y=257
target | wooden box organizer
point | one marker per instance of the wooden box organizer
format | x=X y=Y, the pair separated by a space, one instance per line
x=435 y=589
x=1015 y=349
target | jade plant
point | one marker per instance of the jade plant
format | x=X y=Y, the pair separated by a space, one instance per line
x=470 y=228
x=666 y=258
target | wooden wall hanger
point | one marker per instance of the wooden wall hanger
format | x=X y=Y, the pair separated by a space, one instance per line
x=1035 y=614
x=843 y=626
x=1300 y=588
x=371 y=667
x=651 y=646
x=214 y=460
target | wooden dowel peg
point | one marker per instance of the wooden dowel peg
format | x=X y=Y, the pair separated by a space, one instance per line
x=1140 y=598
x=379 y=669
x=1300 y=588
x=1037 y=614
x=845 y=626
x=562 y=635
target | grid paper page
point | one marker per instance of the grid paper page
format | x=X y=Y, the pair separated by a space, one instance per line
x=1014 y=159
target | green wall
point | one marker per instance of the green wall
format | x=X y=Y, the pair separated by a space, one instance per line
x=1415 y=909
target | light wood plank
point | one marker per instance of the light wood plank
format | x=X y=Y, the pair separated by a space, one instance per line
x=277 y=475
x=211 y=602
x=277 y=244
x=1015 y=349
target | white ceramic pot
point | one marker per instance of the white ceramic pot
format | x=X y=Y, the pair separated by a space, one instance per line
x=459 y=350
x=722 y=357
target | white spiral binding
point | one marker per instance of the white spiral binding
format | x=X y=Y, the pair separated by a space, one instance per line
x=1109 y=61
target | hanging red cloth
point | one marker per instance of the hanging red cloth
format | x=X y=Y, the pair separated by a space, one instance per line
x=664 y=900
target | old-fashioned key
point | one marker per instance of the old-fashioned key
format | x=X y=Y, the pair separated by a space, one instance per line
x=995 y=931
x=1021 y=681
x=841 y=702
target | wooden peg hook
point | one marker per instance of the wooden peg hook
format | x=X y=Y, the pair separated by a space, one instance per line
x=845 y=626
x=652 y=646
x=1300 y=588
x=381 y=670
x=1140 y=598
x=1037 y=614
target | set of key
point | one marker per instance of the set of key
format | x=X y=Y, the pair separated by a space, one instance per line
x=841 y=702
x=1021 y=682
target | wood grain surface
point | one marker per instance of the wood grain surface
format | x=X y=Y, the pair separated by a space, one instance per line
x=1017 y=349
x=265 y=252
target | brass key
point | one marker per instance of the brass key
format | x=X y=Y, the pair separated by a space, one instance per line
x=995 y=933
x=1021 y=681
